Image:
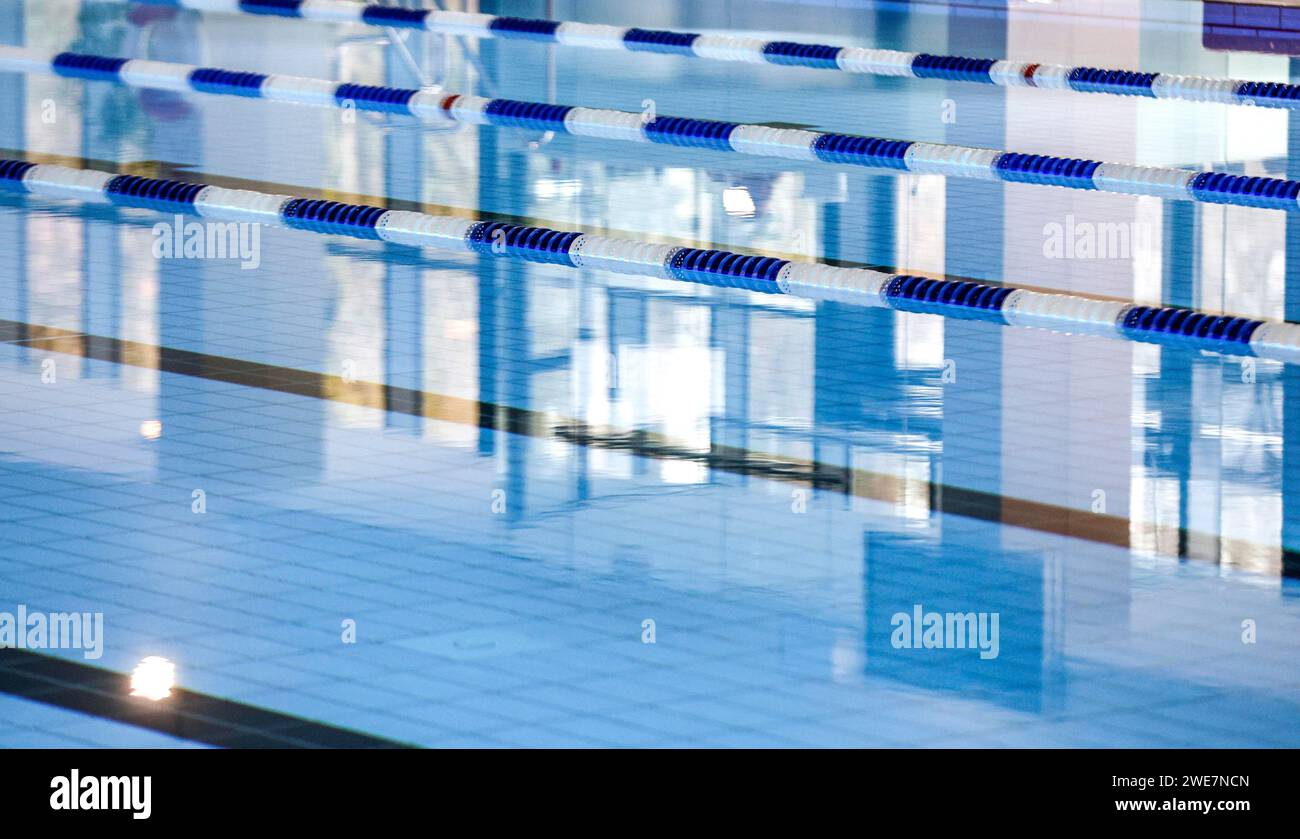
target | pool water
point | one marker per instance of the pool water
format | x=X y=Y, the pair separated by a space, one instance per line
x=363 y=493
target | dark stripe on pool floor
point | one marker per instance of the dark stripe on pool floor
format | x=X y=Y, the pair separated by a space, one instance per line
x=186 y=714
x=944 y=498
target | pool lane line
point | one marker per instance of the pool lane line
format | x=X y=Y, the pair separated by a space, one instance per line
x=969 y=300
x=852 y=482
x=441 y=107
x=741 y=47
x=170 y=169
x=186 y=714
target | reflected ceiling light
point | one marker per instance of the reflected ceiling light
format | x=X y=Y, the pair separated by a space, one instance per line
x=151 y=429
x=737 y=201
x=459 y=329
x=153 y=678
x=552 y=188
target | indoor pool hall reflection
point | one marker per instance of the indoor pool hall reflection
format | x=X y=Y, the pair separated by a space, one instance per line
x=483 y=404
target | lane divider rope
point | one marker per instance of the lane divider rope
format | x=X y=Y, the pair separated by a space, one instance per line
x=744 y=48
x=438 y=106
x=770 y=275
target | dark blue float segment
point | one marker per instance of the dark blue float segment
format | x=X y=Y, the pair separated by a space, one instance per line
x=955 y=67
x=283 y=8
x=518 y=27
x=14 y=170
x=726 y=269
x=1096 y=80
x=926 y=294
x=1151 y=321
x=1220 y=188
x=216 y=80
x=1046 y=170
x=154 y=193
x=392 y=16
x=802 y=55
x=534 y=244
x=695 y=133
x=356 y=220
x=1268 y=91
x=862 y=151
x=658 y=40
x=77 y=66
x=535 y=115
x=394 y=100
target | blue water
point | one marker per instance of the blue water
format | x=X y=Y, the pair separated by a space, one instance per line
x=583 y=462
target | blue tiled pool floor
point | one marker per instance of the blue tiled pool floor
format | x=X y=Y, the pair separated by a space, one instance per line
x=476 y=629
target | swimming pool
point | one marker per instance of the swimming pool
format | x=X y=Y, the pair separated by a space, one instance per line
x=555 y=386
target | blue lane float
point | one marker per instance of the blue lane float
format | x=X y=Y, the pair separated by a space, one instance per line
x=439 y=106
x=704 y=266
x=741 y=47
x=216 y=80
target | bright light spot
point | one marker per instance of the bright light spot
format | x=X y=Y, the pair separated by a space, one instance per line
x=737 y=201
x=153 y=678
x=553 y=188
x=458 y=329
x=151 y=429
